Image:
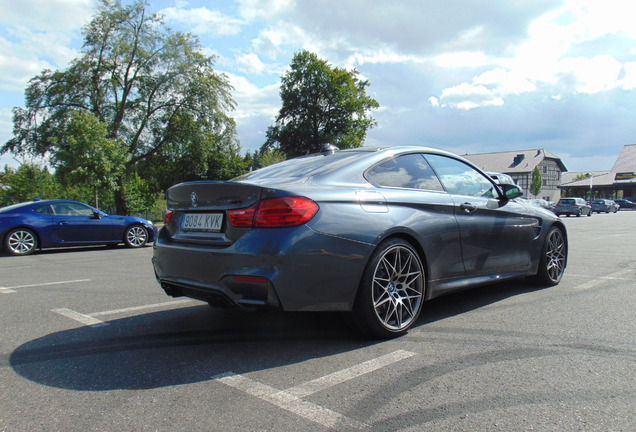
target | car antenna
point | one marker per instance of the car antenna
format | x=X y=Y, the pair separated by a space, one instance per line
x=328 y=149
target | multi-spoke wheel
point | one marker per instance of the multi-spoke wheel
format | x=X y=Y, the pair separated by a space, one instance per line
x=391 y=293
x=136 y=236
x=553 y=258
x=20 y=241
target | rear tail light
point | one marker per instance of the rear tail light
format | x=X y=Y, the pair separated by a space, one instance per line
x=167 y=217
x=275 y=213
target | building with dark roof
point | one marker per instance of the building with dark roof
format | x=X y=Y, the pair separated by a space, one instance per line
x=519 y=165
x=620 y=182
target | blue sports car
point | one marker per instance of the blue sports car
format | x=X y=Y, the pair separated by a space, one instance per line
x=40 y=224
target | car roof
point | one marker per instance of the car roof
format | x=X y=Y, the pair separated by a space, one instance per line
x=339 y=164
x=35 y=203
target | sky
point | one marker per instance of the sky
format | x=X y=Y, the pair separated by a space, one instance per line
x=467 y=76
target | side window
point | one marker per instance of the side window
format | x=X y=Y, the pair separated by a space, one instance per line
x=45 y=210
x=71 y=209
x=409 y=171
x=461 y=179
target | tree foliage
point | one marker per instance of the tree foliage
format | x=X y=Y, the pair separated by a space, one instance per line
x=152 y=88
x=85 y=155
x=320 y=105
x=537 y=182
x=27 y=182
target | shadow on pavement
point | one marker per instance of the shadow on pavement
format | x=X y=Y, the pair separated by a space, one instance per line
x=195 y=344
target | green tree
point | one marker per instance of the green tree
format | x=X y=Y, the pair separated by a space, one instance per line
x=27 y=182
x=86 y=155
x=537 y=182
x=320 y=105
x=138 y=77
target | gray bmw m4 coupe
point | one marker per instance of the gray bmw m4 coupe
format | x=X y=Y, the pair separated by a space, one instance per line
x=372 y=231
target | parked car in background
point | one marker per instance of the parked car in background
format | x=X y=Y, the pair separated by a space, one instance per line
x=573 y=207
x=371 y=231
x=604 y=206
x=625 y=204
x=40 y=224
x=548 y=205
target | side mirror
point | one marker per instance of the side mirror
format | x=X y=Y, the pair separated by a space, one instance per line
x=511 y=191
x=97 y=215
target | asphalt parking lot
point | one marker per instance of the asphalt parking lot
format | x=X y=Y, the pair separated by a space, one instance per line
x=89 y=342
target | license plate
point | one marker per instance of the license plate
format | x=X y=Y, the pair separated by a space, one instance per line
x=202 y=222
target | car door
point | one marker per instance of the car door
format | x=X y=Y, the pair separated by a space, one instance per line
x=496 y=234
x=419 y=202
x=76 y=223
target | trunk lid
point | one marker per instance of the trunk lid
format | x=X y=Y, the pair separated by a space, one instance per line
x=200 y=210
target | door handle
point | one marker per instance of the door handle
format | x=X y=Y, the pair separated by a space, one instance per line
x=468 y=207
x=62 y=223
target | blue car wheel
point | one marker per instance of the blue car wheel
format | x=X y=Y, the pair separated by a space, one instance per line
x=136 y=236
x=20 y=241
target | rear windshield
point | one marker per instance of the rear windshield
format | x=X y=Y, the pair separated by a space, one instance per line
x=598 y=202
x=302 y=167
x=567 y=201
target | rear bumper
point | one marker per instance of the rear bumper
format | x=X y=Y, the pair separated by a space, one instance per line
x=294 y=269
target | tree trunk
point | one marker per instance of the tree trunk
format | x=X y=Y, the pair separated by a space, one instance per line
x=121 y=206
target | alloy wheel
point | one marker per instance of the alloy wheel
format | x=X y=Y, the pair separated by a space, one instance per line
x=555 y=255
x=21 y=242
x=398 y=288
x=136 y=236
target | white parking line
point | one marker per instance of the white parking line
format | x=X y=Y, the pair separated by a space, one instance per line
x=346 y=374
x=84 y=319
x=291 y=403
x=144 y=307
x=603 y=279
x=90 y=320
x=6 y=290
x=291 y=399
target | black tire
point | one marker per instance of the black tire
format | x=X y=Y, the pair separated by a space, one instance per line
x=391 y=293
x=20 y=241
x=553 y=258
x=136 y=236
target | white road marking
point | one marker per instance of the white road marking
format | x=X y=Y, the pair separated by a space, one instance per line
x=144 y=307
x=90 y=320
x=84 y=319
x=12 y=289
x=336 y=378
x=291 y=399
x=603 y=279
x=291 y=403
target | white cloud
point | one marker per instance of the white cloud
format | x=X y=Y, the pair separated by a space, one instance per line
x=31 y=40
x=591 y=75
x=253 y=101
x=250 y=64
x=47 y=15
x=204 y=21
x=505 y=82
x=467 y=96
